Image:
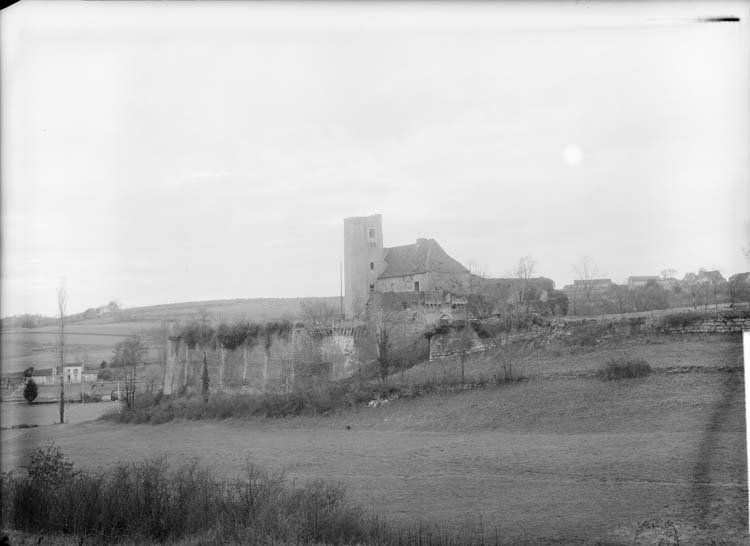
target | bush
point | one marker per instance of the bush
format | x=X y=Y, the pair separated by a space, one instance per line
x=30 y=391
x=622 y=368
x=682 y=320
x=162 y=409
x=152 y=500
x=588 y=333
x=49 y=467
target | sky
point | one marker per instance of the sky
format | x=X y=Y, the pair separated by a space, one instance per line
x=157 y=152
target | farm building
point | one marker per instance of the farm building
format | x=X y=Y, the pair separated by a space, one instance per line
x=45 y=377
x=641 y=281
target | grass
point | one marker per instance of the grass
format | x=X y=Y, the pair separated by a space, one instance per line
x=624 y=368
x=320 y=401
x=559 y=457
x=154 y=502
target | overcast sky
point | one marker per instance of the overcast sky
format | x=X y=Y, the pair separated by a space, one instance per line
x=165 y=152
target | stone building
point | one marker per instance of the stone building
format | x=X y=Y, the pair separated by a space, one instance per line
x=641 y=281
x=369 y=267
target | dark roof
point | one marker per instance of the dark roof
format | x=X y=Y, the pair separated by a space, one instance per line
x=423 y=257
x=638 y=278
x=591 y=282
x=42 y=373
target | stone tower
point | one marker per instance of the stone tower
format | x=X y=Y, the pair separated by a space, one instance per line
x=363 y=260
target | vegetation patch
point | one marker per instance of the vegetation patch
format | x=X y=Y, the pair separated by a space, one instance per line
x=156 y=501
x=156 y=409
x=684 y=319
x=624 y=368
x=588 y=333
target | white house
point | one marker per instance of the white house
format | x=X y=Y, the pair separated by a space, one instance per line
x=45 y=377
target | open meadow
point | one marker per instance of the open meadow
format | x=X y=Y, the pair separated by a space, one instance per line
x=93 y=340
x=558 y=457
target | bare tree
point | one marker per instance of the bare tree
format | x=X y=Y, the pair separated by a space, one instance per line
x=465 y=345
x=317 y=313
x=62 y=303
x=477 y=275
x=587 y=271
x=129 y=353
x=383 y=329
x=668 y=274
x=525 y=271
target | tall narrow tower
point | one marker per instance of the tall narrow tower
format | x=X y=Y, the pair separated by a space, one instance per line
x=363 y=260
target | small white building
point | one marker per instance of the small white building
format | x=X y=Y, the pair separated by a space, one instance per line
x=73 y=373
x=45 y=377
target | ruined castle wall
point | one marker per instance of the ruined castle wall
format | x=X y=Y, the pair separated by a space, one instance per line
x=268 y=370
x=453 y=341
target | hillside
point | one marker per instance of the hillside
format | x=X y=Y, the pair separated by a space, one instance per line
x=561 y=456
x=93 y=340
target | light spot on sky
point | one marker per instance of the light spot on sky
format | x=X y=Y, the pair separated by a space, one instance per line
x=572 y=155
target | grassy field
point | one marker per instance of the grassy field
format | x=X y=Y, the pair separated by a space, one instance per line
x=17 y=413
x=255 y=309
x=84 y=342
x=93 y=340
x=572 y=458
x=661 y=352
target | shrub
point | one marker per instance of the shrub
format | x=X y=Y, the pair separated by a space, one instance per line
x=623 y=368
x=152 y=500
x=30 y=391
x=588 y=333
x=681 y=320
x=50 y=467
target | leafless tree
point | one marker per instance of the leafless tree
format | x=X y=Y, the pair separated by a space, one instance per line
x=129 y=353
x=668 y=274
x=477 y=275
x=587 y=271
x=317 y=313
x=525 y=271
x=465 y=345
x=384 y=325
x=62 y=303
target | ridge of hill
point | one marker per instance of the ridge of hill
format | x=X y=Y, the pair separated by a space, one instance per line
x=92 y=340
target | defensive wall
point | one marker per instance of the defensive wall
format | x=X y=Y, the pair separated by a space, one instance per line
x=279 y=363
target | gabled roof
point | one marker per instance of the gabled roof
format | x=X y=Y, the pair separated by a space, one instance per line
x=740 y=277
x=423 y=257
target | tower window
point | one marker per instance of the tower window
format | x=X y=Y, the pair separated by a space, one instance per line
x=371 y=232
x=416 y=286
x=372 y=266
x=372 y=288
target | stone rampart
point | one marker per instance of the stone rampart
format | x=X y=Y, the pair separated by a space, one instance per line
x=264 y=366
